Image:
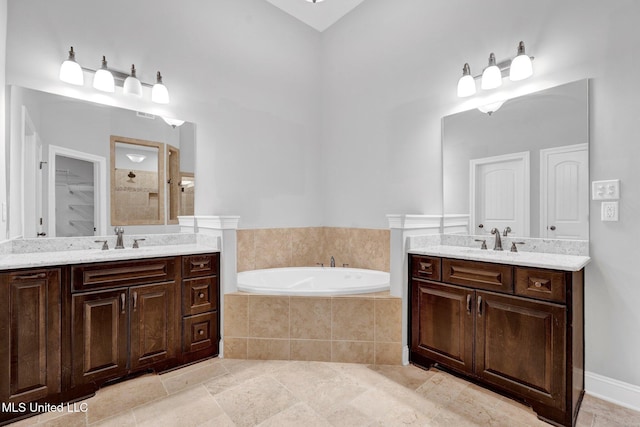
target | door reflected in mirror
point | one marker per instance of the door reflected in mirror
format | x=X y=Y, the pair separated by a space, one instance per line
x=137 y=171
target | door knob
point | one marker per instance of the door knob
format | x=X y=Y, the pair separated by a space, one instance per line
x=481 y=226
x=552 y=228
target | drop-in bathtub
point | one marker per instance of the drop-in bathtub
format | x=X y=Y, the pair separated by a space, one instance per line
x=310 y=281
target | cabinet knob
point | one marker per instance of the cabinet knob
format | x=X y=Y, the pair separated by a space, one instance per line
x=200 y=332
x=537 y=284
x=200 y=295
x=201 y=265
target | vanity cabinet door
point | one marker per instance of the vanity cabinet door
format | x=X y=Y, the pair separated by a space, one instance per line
x=155 y=323
x=520 y=346
x=442 y=324
x=99 y=336
x=29 y=335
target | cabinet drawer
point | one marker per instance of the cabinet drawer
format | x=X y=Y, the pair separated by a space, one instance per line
x=548 y=285
x=201 y=332
x=425 y=267
x=199 y=295
x=480 y=275
x=123 y=273
x=199 y=265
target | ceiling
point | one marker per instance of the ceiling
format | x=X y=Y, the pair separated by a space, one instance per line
x=319 y=15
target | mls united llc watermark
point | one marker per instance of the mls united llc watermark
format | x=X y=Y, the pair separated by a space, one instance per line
x=22 y=407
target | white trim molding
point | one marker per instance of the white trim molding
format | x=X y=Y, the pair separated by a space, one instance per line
x=455 y=224
x=611 y=390
x=217 y=222
x=408 y=222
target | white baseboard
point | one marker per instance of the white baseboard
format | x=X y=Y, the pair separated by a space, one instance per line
x=614 y=391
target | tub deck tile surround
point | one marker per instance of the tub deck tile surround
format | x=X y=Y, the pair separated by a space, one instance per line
x=306 y=246
x=231 y=392
x=362 y=328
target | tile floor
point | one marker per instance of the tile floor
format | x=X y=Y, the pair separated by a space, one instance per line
x=231 y=392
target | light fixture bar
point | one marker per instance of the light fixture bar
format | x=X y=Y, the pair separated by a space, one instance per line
x=118 y=76
x=504 y=67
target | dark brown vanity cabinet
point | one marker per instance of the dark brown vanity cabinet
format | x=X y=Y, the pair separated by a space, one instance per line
x=518 y=330
x=124 y=318
x=30 y=334
x=200 y=296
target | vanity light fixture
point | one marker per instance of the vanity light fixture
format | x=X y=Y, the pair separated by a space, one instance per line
x=466 y=84
x=174 y=123
x=132 y=85
x=315 y=1
x=491 y=108
x=491 y=76
x=70 y=70
x=159 y=92
x=136 y=158
x=519 y=68
x=105 y=79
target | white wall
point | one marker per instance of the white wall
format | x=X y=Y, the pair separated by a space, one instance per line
x=389 y=74
x=245 y=72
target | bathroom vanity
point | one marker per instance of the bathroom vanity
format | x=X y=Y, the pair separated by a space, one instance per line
x=69 y=328
x=505 y=324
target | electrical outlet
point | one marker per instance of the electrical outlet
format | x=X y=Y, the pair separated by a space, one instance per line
x=609 y=211
x=605 y=190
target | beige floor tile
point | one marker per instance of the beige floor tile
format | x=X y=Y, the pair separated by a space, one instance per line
x=192 y=377
x=299 y=376
x=255 y=400
x=67 y=420
x=126 y=419
x=299 y=414
x=407 y=376
x=348 y=416
x=187 y=408
x=607 y=412
x=388 y=410
x=219 y=421
x=442 y=389
x=124 y=396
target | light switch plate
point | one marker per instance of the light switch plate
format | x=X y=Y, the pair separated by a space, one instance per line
x=605 y=190
x=609 y=211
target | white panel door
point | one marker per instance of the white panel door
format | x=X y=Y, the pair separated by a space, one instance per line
x=500 y=193
x=564 y=192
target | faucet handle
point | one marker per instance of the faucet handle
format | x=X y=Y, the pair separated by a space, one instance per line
x=514 y=248
x=484 y=243
x=345 y=265
x=506 y=231
x=135 y=243
x=321 y=264
x=105 y=245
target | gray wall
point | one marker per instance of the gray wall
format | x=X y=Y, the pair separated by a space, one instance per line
x=339 y=129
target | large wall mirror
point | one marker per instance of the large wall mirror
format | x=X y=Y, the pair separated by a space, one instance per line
x=523 y=165
x=79 y=168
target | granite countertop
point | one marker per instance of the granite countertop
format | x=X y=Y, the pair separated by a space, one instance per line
x=522 y=258
x=41 y=259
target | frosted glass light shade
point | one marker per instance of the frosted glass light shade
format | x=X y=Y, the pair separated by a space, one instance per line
x=159 y=92
x=491 y=108
x=174 y=123
x=521 y=67
x=136 y=158
x=70 y=70
x=466 y=84
x=103 y=80
x=132 y=85
x=491 y=76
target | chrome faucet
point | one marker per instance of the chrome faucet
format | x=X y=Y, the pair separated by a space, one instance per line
x=506 y=231
x=119 y=232
x=333 y=262
x=498 y=244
